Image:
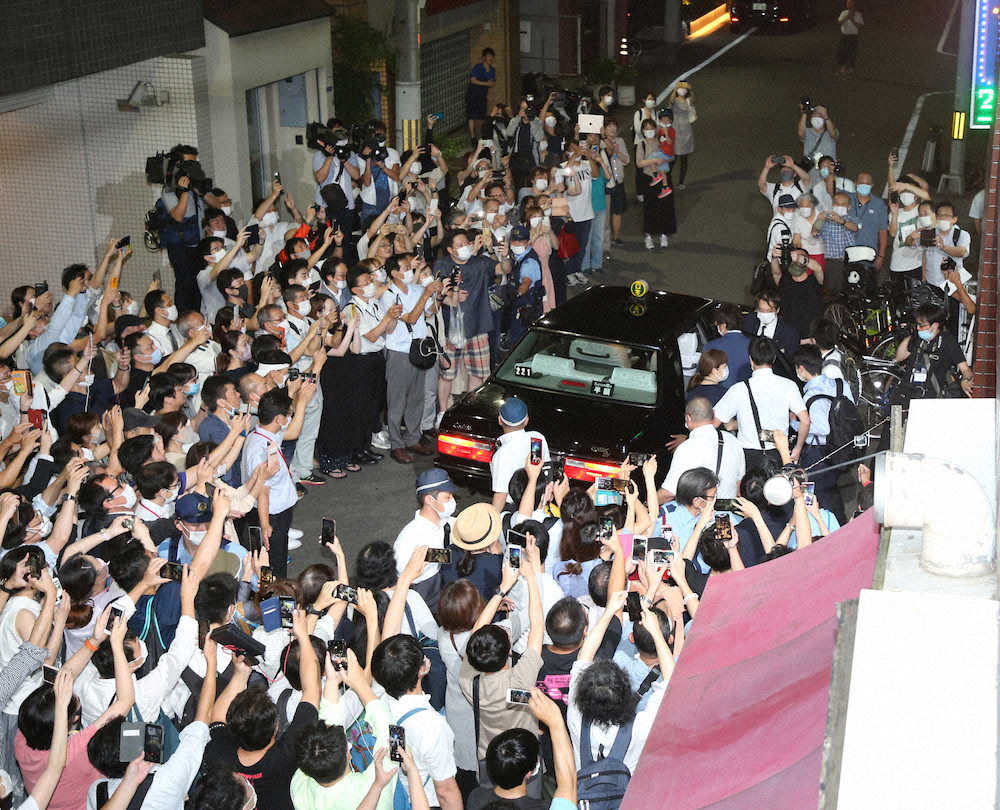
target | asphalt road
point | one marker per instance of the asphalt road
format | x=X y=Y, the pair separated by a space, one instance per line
x=747 y=102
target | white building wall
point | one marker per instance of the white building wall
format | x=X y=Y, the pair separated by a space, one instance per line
x=72 y=169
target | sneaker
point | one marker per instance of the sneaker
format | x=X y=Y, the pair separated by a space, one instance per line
x=663 y=240
x=665 y=193
x=656 y=180
x=648 y=242
x=381 y=440
x=313 y=479
x=293 y=544
x=640 y=198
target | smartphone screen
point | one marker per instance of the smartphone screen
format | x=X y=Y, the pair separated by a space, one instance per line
x=266 y=576
x=172 y=571
x=346 y=593
x=397 y=742
x=725 y=504
x=49 y=674
x=723 y=527
x=663 y=557
x=256 y=538
x=638 y=549
x=514 y=555
x=115 y=613
x=606 y=528
x=329 y=531
x=810 y=493
x=536 y=451
x=152 y=743
x=432 y=206
x=338 y=653
x=633 y=608
x=287 y=607
x=522 y=696
x=209 y=489
x=438 y=555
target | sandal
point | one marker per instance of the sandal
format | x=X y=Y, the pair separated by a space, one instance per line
x=334 y=472
x=352 y=467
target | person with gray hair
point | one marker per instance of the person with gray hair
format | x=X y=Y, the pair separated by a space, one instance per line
x=807 y=227
x=706 y=447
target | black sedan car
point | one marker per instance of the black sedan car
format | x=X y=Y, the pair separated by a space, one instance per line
x=601 y=376
x=778 y=14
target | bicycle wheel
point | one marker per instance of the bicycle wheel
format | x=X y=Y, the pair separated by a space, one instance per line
x=876 y=391
x=886 y=345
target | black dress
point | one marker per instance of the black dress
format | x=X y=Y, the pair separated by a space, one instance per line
x=342 y=431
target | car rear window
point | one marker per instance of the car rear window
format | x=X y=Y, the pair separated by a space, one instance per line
x=583 y=366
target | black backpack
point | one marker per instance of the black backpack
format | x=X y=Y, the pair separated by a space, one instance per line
x=846 y=426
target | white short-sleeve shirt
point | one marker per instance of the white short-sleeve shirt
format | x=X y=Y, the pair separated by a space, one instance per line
x=775 y=397
x=510 y=456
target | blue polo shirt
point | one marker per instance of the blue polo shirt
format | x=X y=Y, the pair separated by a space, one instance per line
x=873 y=217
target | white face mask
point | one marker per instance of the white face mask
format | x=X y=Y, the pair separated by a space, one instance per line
x=501 y=232
x=650 y=103
x=541 y=184
x=550 y=120
x=408 y=277
x=464 y=253
x=817 y=122
x=767 y=318
x=907 y=198
x=840 y=210
x=415 y=168
x=129 y=496
x=269 y=219
x=303 y=308
x=132 y=308
x=195 y=538
x=448 y=509
x=925 y=222
x=172 y=312
x=227 y=210
x=219 y=234
x=723 y=373
x=535 y=222
x=944 y=225
x=490 y=216
x=339 y=284
x=171 y=495
x=608 y=100
x=368 y=290
x=426 y=281
x=218 y=254
x=649 y=134
x=518 y=250
x=805 y=213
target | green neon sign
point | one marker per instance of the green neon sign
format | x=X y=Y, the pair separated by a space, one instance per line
x=984 y=65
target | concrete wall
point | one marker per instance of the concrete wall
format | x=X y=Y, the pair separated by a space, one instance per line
x=72 y=168
x=235 y=65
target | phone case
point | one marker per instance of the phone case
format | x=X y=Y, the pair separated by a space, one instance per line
x=270 y=613
x=130 y=741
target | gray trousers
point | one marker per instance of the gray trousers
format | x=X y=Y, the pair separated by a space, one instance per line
x=305 y=445
x=404 y=384
x=429 y=419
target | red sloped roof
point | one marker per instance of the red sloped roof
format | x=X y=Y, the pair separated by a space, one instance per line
x=744 y=718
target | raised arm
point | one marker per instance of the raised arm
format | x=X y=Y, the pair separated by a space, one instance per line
x=592 y=643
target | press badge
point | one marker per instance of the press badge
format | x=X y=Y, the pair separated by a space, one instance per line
x=920 y=376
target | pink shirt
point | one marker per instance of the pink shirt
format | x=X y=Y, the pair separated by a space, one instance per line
x=77 y=776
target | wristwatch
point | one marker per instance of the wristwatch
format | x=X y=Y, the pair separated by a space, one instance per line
x=311 y=611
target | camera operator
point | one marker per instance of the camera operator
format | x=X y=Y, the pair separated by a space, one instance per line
x=526 y=133
x=904 y=227
x=779 y=234
x=181 y=200
x=382 y=176
x=817 y=132
x=335 y=163
x=950 y=242
x=931 y=358
x=829 y=182
x=792 y=179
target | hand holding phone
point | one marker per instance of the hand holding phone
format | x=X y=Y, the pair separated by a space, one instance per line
x=536 y=451
x=397 y=743
x=519 y=696
x=346 y=593
x=633 y=607
x=338 y=653
x=329 y=534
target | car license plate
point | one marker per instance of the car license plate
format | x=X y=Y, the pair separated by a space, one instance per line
x=760 y=6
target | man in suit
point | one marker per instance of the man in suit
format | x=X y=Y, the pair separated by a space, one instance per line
x=767 y=322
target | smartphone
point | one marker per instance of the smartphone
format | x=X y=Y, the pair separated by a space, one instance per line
x=49 y=674
x=256 y=538
x=557 y=465
x=437 y=116
x=346 y=593
x=152 y=743
x=41 y=288
x=432 y=206
x=522 y=696
x=209 y=489
x=638 y=459
x=277 y=176
x=638 y=549
x=619 y=485
x=338 y=653
x=536 y=451
x=115 y=613
x=810 y=493
x=633 y=608
x=266 y=576
x=726 y=505
x=516 y=538
x=894 y=153
x=287 y=607
x=723 y=527
x=329 y=531
x=606 y=528
x=123 y=243
x=22 y=382
x=131 y=741
x=778 y=160
x=438 y=555
x=397 y=742
x=172 y=571
x=663 y=556
x=36 y=417
x=514 y=556
x=253 y=235
x=158 y=277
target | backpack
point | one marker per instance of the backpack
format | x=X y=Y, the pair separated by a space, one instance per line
x=601 y=783
x=401 y=799
x=138 y=797
x=845 y=425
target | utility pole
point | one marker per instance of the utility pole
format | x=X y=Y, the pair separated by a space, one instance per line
x=954 y=180
x=673 y=31
x=408 y=112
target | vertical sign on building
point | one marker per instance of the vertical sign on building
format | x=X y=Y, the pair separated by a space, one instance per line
x=984 y=65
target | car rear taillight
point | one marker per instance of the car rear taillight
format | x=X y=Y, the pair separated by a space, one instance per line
x=464 y=447
x=583 y=470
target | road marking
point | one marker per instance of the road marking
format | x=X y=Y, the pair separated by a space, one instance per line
x=911 y=127
x=947 y=30
x=669 y=88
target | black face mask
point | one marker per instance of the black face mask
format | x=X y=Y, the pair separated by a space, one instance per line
x=242 y=293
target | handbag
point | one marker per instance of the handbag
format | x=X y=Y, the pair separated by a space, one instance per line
x=423 y=351
x=569 y=245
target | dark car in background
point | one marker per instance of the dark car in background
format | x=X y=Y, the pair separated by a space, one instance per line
x=601 y=376
x=778 y=14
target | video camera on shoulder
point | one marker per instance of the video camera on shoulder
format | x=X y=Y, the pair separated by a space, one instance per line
x=165 y=169
x=320 y=137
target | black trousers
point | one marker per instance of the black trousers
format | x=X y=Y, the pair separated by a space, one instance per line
x=277 y=553
x=187 y=264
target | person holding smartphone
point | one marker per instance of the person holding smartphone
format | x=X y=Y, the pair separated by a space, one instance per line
x=515 y=445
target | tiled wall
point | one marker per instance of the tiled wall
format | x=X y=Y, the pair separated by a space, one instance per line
x=72 y=170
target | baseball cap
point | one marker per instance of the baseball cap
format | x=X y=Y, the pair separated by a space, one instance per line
x=519 y=233
x=786 y=201
x=476 y=527
x=193 y=508
x=434 y=479
x=513 y=411
x=134 y=418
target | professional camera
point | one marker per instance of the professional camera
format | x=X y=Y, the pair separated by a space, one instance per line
x=157 y=168
x=785 y=252
x=191 y=169
x=294 y=374
x=806 y=104
x=531 y=112
x=948 y=264
x=319 y=136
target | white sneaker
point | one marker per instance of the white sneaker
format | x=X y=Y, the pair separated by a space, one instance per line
x=294 y=534
x=380 y=440
x=663 y=240
x=648 y=242
x=292 y=542
x=640 y=198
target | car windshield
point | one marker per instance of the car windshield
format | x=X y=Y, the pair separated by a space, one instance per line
x=589 y=367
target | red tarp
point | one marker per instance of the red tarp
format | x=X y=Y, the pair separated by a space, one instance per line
x=744 y=717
